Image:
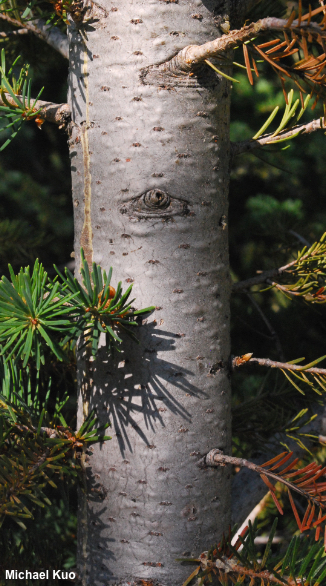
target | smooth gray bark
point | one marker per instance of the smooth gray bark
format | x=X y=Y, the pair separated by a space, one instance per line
x=150 y=172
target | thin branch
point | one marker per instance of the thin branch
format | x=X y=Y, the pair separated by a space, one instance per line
x=262 y=277
x=239 y=361
x=268 y=325
x=306 y=295
x=247 y=490
x=216 y=458
x=56 y=113
x=250 y=327
x=50 y=34
x=246 y=146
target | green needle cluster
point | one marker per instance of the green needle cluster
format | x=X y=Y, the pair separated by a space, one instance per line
x=22 y=107
x=37 y=312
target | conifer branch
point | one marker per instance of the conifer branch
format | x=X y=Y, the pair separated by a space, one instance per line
x=191 y=56
x=261 y=278
x=247 y=491
x=309 y=268
x=303 y=561
x=246 y=146
x=58 y=114
x=301 y=34
x=306 y=295
x=309 y=375
x=302 y=481
x=50 y=34
x=32 y=457
x=45 y=431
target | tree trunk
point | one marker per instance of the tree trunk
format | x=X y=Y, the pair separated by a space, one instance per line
x=150 y=172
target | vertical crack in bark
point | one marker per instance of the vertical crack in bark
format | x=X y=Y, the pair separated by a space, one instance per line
x=86 y=239
x=81 y=117
x=84 y=519
x=86 y=387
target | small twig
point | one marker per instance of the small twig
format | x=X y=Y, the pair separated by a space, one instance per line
x=264 y=277
x=300 y=238
x=50 y=34
x=246 y=146
x=21 y=31
x=239 y=361
x=250 y=327
x=284 y=289
x=269 y=326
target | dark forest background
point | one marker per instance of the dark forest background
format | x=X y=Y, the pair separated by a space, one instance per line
x=277 y=205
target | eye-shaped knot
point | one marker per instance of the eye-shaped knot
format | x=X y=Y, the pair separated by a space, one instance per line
x=155 y=203
x=155 y=198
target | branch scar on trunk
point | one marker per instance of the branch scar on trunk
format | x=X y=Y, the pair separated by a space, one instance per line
x=86 y=239
x=155 y=203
